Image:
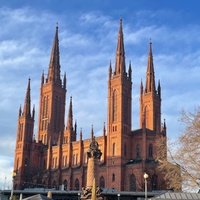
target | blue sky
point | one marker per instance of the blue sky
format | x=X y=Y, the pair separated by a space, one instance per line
x=88 y=36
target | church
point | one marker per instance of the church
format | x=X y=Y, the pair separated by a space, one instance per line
x=57 y=159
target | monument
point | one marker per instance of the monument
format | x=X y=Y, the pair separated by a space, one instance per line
x=92 y=191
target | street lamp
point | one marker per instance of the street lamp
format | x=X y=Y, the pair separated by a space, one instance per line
x=13 y=176
x=118 y=196
x=146 y=176
x=79 y=195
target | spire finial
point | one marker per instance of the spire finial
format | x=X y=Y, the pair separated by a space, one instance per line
x=120 y=23
x=150 y=46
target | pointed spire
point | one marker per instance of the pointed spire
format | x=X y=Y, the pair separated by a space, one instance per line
x=54 y=65
x=70 y=116
x=110 y=70
x=33 y=112
x=159 y=89
x=64 y=81
x=27 y=102
x=150 y=77
x=130 y=70
x=104 y=129
x=20 y=110
x=141 y=87
x=75 y=127
x=120 y=67
x=164 y=126
x=42 y=78
x=81 y=135
x=92 y=132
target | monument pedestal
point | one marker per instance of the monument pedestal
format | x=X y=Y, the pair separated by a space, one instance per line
x=91 y=191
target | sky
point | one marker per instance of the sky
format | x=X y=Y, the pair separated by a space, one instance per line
x=88 y=37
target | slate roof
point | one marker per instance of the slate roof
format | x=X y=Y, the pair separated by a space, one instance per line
x=177 y=196
x=37 y=197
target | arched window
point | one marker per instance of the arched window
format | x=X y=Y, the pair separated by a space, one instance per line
x=76 y=159
x=44 y=107
x=44 y=164
x=65 y=184
x=45 y=139
x=55 y=162
x=154 y=183
x=137 y=151
x=102 y=182
x=76 y=184
x=146 y=116
x=125 y=149
x=132 y=183
x=54 y=185
x=113 y=149
x=114 y=106
x=113 y=177
x=44 y=184
x=74 y=156
x=17 y=166
x=150 y=151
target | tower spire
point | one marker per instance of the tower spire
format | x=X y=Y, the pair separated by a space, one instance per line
x=54 y=65
x=130 y=71
x=92 y=132
x=159 y=89
x=70 y=116
x=150 y=77
x=141 y=87
x=27 y=102
x=120 y=67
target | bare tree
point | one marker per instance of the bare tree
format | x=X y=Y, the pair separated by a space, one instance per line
x=168 y=167
x=185 y=159
x=188 y=153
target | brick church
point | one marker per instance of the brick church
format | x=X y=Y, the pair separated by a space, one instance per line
x=57 y=159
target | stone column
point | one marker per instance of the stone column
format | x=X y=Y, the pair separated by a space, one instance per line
x=94 y=154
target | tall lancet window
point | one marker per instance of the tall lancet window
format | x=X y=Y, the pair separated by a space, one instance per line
x=114 y=106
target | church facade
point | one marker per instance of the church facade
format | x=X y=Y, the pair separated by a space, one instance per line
x=57 y=159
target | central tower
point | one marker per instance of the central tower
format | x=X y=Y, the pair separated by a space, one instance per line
x=119 y=116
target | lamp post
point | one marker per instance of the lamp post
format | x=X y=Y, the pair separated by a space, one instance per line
x=145 y=184
x=13 y=176
x=79 y=195
x=118 y=196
